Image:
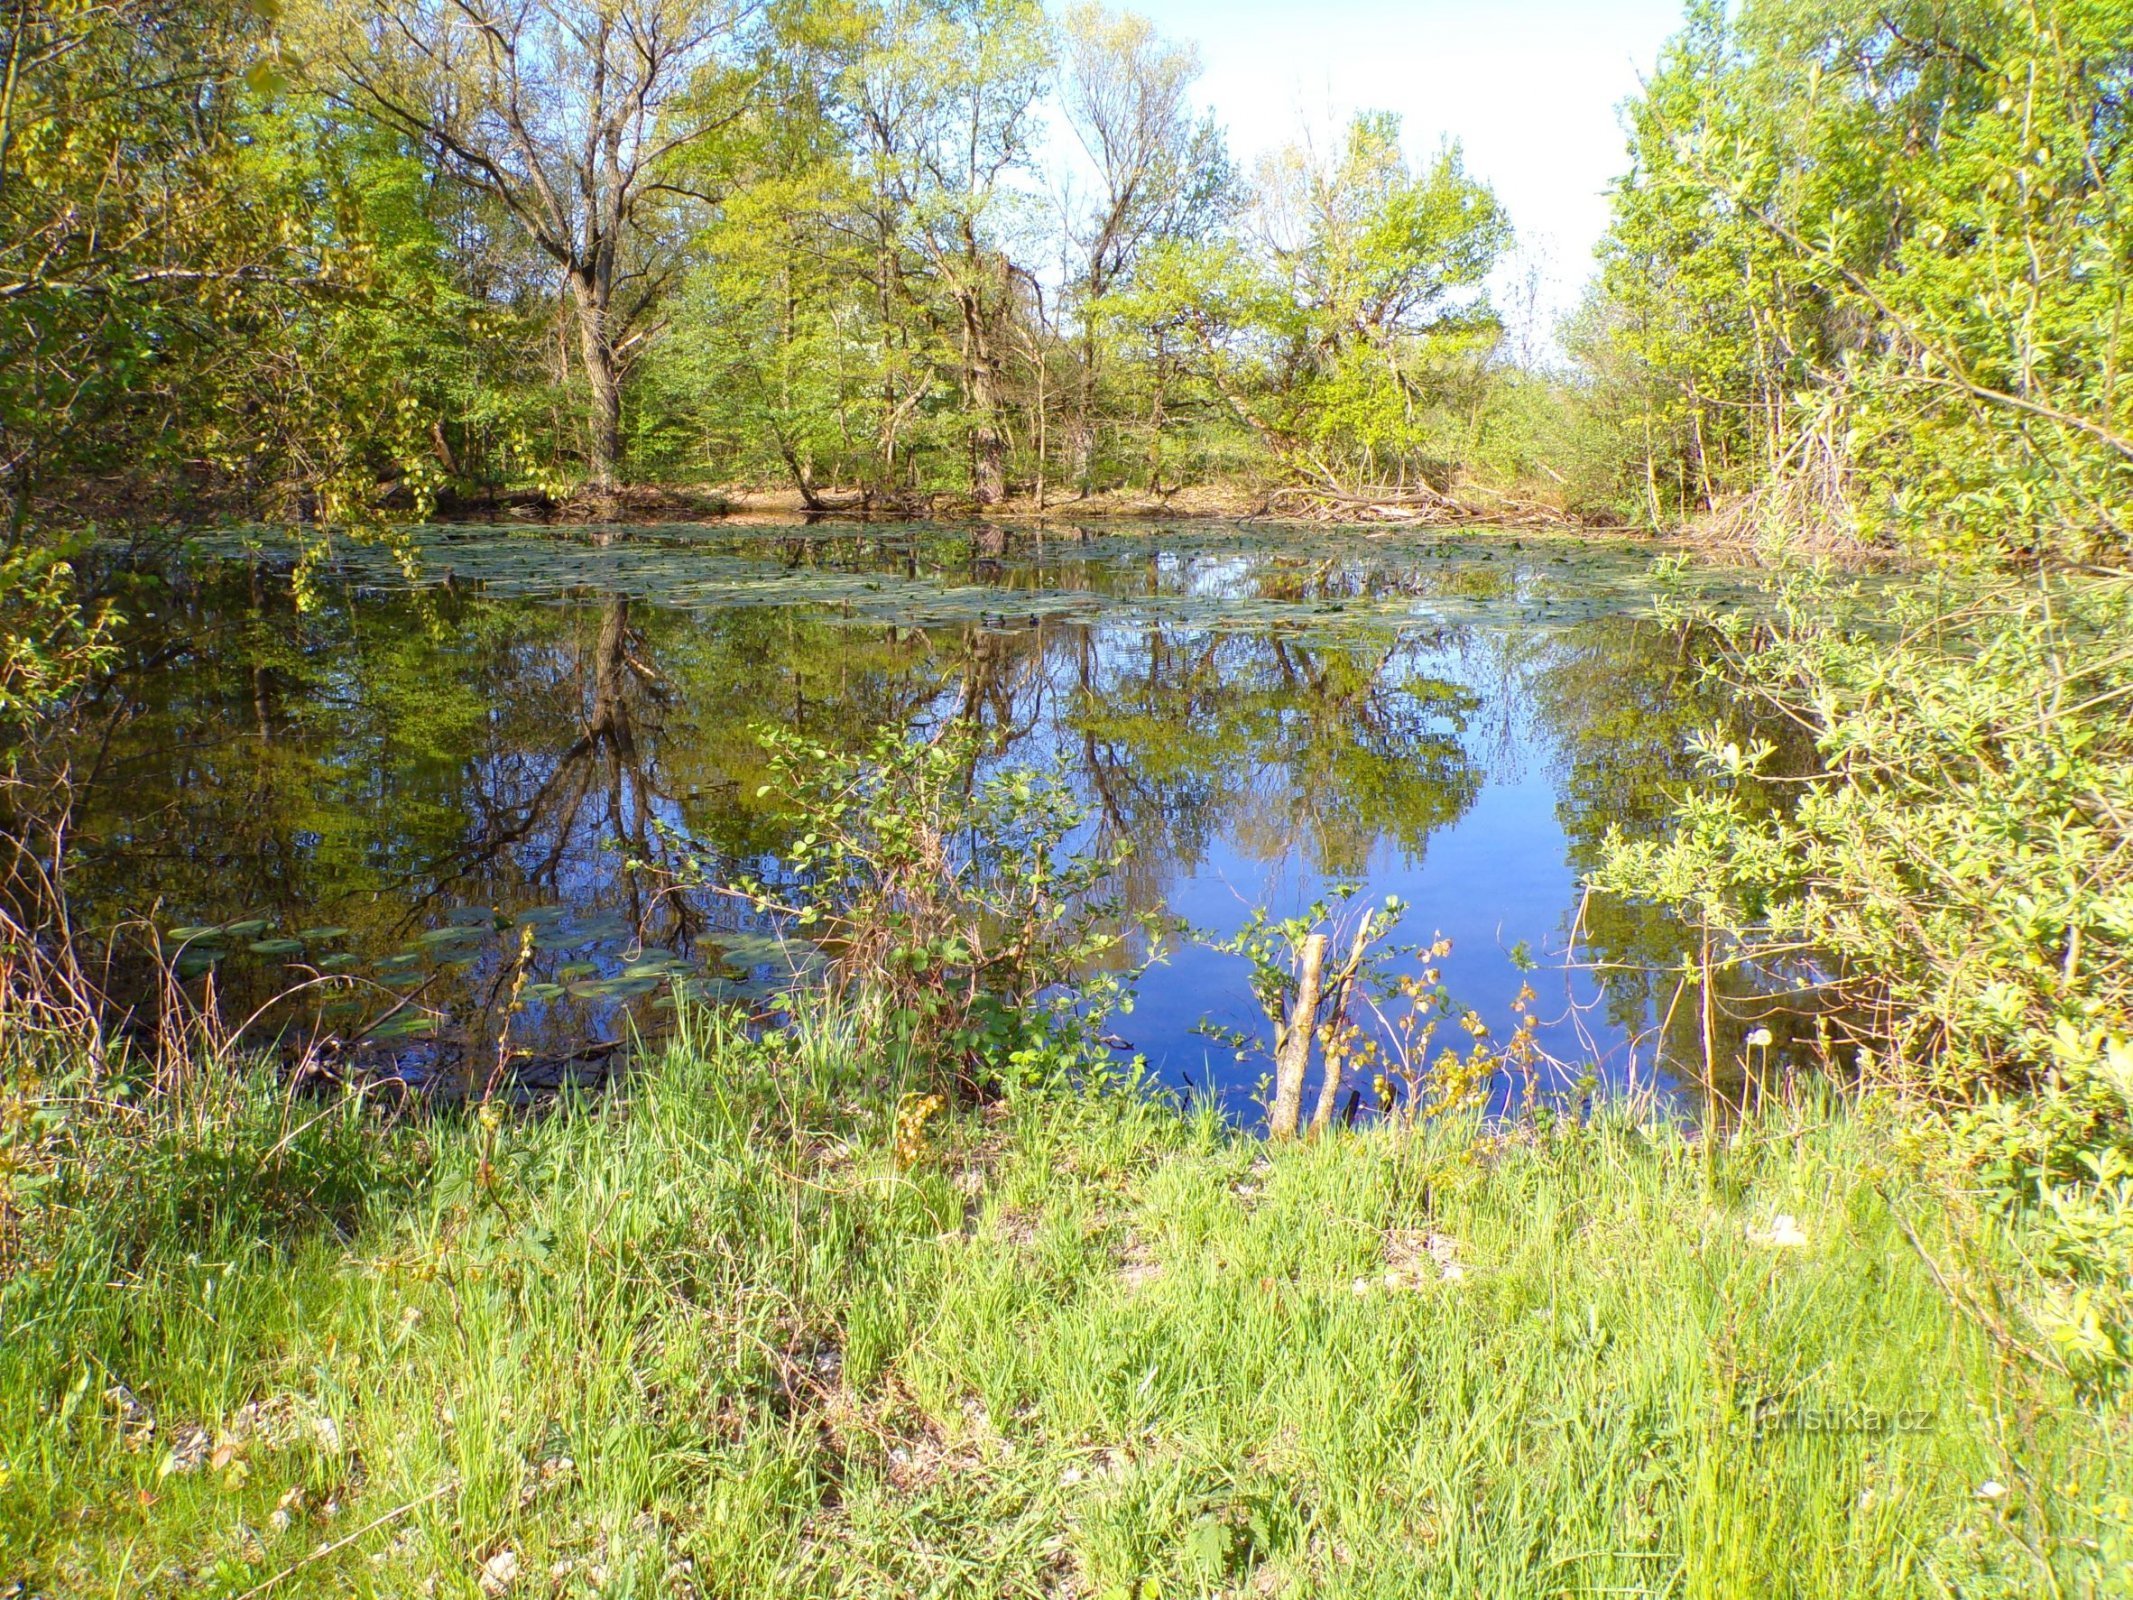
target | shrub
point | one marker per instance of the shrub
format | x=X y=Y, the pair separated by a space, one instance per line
x=1958 y=874
x=960 y=899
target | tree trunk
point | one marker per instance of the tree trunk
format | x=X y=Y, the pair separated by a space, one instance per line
x=1083 y=446
x=602 y=378
x=1329 y=1092
x=802 y=478
x=1292 y=1054
x=981 y=365
x=988 y=464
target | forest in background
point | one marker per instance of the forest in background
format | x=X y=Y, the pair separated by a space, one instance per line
x=339 y=261
x=322 y=263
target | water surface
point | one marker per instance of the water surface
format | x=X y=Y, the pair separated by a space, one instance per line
x=482 y=728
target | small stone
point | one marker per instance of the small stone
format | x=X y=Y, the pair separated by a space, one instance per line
x=136 y=1420
x=499 y=1573
x=285 y=1512
x=1785 y=1232
x=189 y=1447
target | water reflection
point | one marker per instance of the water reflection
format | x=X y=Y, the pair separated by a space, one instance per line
x=1458 y=724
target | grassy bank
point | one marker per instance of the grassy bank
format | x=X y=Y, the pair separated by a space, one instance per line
x=713 y=1337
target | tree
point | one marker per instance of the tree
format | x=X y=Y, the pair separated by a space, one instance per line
x=1159 y=174
x=130 y=256
x=574 y=115
x=944 y=96
x=1870 y=269
x=125 y=237
x=1335 y=326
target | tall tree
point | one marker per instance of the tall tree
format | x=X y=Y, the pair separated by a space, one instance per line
x=575 y=116
x=1330 y=326
x=1158 y=173
x=1868 y=272
x=124 y=235
x=946 y=95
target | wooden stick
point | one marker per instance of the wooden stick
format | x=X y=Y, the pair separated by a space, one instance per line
x=1294 y=1060
x=346 y=1540
x=1329 y=1092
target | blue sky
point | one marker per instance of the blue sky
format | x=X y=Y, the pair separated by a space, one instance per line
x=1529 y=87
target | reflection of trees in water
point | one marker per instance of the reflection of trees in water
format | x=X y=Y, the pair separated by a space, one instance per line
x=383 y=758
x=1621 y=700
x=379 y=749
x=1281 y=744
x=607 y=779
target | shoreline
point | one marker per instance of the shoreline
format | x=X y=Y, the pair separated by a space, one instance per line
x=744 y=506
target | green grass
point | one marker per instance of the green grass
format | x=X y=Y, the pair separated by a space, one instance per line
x=708 y=1339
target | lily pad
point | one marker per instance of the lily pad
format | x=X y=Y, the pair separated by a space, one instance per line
x=437 y=938
x=758 y=949
x=407 y=1025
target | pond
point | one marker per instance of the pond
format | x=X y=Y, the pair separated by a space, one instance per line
x=481 y=729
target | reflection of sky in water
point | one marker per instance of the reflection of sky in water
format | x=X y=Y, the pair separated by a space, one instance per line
x=1495 y=878
x=1253 y=758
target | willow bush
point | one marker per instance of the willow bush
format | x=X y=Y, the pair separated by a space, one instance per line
x=1958 y=874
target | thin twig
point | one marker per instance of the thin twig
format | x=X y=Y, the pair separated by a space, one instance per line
x=346 y=1540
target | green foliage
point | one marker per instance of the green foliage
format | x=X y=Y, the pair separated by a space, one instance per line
x=1346 y=328
x=1881 y=254
x=1955 y=877
x=302 y=268
x=49 y=643
x=216 y=297
x=958 y=897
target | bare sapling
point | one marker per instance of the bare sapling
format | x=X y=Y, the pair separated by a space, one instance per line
x=1292 y=1047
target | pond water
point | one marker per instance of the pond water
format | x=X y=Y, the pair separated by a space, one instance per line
x=482 y=728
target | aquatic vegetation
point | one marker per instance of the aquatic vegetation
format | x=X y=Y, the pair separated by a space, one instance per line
x=1226 y=576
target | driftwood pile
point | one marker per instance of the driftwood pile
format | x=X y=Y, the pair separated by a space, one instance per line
x=1408 y=503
